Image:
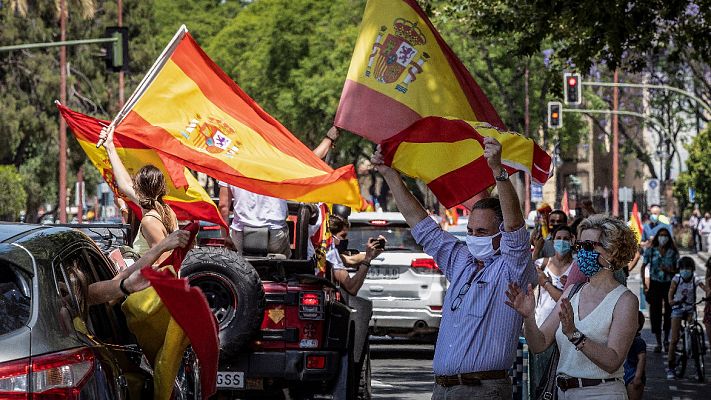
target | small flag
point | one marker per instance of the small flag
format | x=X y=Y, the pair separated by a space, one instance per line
x=635 y=223
x=564 y=206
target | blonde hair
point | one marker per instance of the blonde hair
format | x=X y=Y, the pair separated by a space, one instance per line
x=150 y=187
x=616 y=237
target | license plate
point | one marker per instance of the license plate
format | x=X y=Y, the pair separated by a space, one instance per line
x=230 y=380
x=383 y=273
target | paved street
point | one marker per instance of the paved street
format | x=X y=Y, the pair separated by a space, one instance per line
x=404 y=371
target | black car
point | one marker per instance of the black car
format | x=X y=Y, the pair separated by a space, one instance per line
x=51 y=342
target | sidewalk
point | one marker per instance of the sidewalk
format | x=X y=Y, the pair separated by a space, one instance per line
x=658 y=386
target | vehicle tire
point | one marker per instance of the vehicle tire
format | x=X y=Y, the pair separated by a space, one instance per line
x=698 y=357
x=233 y=291
x=365 y=390
x=187 y=381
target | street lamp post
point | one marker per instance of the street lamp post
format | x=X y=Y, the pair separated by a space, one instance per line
x=62 y=125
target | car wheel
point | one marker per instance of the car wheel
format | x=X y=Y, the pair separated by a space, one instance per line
x=233 y=291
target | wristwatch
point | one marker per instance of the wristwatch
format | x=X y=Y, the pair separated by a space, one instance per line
x=575 y=337
x=503 y=175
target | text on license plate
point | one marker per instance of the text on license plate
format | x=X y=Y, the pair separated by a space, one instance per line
x=383 y=273
x=230 y=380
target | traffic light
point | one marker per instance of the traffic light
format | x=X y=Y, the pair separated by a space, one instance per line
x=117 y=52
x=572 y=92
x=555 y=115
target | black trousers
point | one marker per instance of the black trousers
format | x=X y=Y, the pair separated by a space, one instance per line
x=659 y=308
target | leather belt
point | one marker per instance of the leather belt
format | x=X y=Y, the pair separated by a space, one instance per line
x=469 y=379
x=565 y=383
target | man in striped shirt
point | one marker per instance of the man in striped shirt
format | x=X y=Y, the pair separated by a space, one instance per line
x=478 y=334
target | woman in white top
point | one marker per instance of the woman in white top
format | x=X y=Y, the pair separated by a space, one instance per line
x=553 y=271
x=594 y=329
x=146 y=189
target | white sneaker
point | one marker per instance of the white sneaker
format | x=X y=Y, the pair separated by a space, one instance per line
x=670 y=374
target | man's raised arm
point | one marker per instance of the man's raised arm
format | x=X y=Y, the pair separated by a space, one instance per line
x=407 y=204
x=513 y=216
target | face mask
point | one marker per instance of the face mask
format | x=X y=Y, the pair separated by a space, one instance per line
x=686 y=274
x=341 y=244
x=588 y=262
x=663 y=240
x=653 y=218
x=561 y=247
x=481 y=247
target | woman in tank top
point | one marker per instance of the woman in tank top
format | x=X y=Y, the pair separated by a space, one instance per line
x=595 y=328
x=146 y=189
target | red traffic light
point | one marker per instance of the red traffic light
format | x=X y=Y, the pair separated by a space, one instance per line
x=572 y=81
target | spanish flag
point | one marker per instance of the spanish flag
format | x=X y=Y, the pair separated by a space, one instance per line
x=402 y=70
x=635 y=223
x=185 y=196
x=188 y=109
x=448 y=155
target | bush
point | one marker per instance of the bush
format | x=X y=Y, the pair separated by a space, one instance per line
x=12 y=193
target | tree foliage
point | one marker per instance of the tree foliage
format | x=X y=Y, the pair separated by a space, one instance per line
x=12 y=193
x=698 y=175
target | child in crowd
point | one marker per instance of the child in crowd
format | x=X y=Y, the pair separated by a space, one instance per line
x=682 y=298
x=636 y=363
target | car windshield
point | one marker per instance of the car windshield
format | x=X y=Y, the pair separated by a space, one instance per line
x=398 y=238
x=14 y=299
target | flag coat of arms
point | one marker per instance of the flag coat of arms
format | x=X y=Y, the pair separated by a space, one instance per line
x=402 y=70
x=189 y=110
x=185 y=195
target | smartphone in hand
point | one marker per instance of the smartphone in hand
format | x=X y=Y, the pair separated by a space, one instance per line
x=380 y=245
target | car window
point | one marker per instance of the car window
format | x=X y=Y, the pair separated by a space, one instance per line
x=398 y=238
x=105 y=321
x=73 y=288
x=15 y=298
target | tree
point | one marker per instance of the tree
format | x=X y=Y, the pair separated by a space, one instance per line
x=698 y=175
x=12 y=193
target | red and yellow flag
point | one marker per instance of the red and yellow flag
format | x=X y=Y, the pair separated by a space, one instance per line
x=448 y=155
x=186 y=197
x=190 y=110
x=635 y=223
x=402 y=70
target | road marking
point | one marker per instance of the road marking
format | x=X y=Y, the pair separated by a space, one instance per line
x=377 y=384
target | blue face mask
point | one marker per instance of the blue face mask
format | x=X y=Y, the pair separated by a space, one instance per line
x=587 y=262
x=686 y=274
x=561 y=247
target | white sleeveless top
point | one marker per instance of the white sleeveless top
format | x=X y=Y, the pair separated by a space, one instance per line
x=596 y=327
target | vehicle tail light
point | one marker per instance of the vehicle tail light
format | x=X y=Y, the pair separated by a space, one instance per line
x=210 y=228
x=56 y=376
x=379 y=222
x=436 y=308
x=213 y=242
x=315 y=362
x=311 y=305
x=425 y=266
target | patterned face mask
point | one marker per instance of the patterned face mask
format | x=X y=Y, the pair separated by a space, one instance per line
x=588 y=262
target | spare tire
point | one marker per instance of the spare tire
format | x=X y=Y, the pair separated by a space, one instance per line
x=233 y=291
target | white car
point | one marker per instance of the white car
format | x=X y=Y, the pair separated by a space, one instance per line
x=404 y=284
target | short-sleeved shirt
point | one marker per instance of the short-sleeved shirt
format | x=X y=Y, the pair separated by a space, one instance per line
x=545 y=303
x=334 y=257
x=685 y=293
x=654 y=258
x=705 y=226
x=482 y=333
x=256 y=210
x=638 y=347
x=649 y=230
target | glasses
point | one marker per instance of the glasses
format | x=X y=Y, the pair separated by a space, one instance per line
x=460 y=297
x=588 y=245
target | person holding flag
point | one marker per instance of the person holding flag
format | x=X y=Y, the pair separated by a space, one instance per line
x=478 y=335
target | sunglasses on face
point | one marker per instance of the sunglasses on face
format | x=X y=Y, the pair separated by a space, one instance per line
x=588 y=245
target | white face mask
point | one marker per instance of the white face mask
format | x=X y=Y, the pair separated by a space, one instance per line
x=481 y=247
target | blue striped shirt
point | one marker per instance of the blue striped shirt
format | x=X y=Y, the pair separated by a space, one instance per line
x=482 y=334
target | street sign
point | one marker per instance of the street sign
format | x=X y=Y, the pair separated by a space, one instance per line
x=692 y=195
x=651 y=187
x=625 y=194
x=536 y=192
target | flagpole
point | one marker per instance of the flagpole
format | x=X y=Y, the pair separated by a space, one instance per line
x=150 y=76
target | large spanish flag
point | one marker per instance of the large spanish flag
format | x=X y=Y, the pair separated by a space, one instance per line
x=448 y=155
x=402 y=70
x=188 y=109
x=185 y=195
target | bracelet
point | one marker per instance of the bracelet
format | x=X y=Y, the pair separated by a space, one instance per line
x=366 y=263
x=331 y=138
x=123 y=288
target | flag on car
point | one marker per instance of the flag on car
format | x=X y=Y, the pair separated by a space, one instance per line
x=402 y=70
x=187 y=108
x=635 y=223
x=448 y=155
x=185 y=196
